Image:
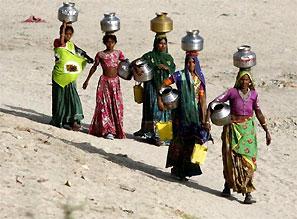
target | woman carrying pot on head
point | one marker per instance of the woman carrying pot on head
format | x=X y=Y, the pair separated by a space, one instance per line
x=189 y=120
x=107 y=121
x=162 y=64
x=239 y=148
x=69 y=62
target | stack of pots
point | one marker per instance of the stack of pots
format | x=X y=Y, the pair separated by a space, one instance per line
x=67 y=13
x=110 y=23
x=244 y=57
x=162 y=23
x=192 y=41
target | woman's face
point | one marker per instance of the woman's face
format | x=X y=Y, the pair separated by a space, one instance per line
x=191 y=65
x=162 y=45
x=110 y=43
x=68 y=35
x=245 y=82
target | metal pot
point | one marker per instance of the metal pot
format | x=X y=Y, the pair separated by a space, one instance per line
x=110 y=23
x=169 y=97
x=220 y=113
x=67 y=12
x=161 y=23
x=244 y=57
x=192 y=41
x=124 y=70
x=141 y=70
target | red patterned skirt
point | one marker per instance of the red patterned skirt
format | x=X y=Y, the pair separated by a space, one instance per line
x=108 y=115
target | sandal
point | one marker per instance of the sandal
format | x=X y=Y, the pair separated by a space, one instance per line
x=249 y=199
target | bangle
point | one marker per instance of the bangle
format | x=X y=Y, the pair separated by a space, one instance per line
x=264 y=124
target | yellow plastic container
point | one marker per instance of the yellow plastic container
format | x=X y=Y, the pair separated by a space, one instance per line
x=164 y=130
x=199 y=154
x=138 y=93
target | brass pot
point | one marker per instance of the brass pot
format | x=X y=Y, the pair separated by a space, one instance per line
x=161 y=23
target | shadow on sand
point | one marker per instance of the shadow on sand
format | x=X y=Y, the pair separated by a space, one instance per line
x=120 y=159
x=123 y=160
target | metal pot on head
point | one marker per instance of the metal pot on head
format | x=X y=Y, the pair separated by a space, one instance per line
x=169 y=97
x=162 y=23
x=68 y=13
x=244 y=57
x=141 y=70
x=192 y=41
x=220 y=113
x=110 y=23
x=124 y=70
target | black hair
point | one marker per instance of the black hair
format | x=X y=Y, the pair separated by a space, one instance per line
x=109 y=36
x=66 y=29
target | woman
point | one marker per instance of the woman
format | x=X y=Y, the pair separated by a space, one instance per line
x=162 y=64
x=188 y=119
x=66 y=105
x=108 y=116
x=239 y=138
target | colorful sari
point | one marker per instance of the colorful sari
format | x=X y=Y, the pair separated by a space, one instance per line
x=66 y=104
x=150 y=111
x=186 y=122
x=239 y=155
x=108 y=115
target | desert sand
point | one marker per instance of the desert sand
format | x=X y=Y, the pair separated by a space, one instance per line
x=127 y=178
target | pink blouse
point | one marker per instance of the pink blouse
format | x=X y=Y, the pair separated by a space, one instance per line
x=240 y=105
x=109 y=59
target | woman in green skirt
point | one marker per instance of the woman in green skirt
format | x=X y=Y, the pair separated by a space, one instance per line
x=162 y=64
x=66 y=105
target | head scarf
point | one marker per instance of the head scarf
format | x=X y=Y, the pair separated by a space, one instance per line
x=158 y=38
x=242 y=73
x=198 y=71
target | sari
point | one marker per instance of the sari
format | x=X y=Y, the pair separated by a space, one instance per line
x=239 y=154
x=66 y=104
x=150 y=111
x=186 y=122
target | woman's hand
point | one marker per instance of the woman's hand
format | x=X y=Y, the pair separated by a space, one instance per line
x=268 y=138
x=206 y=126
x=164 y=67
x=85 y=85
x=161 y=104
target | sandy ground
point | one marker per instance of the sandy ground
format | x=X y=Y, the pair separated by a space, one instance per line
x=126 y=178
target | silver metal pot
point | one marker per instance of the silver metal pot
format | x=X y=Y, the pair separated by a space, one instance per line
x=67 y=12
x=220 y=113
x=141 y=70
x=124 y=70
x=244 y=57
x=169 y=97
x=192 y=41
x=110 y=23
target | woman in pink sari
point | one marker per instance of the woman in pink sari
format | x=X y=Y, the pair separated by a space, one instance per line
x=108 y=116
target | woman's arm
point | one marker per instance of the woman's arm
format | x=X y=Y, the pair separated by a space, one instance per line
x=91 y=72
x=62 y=35
x=262 y=121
